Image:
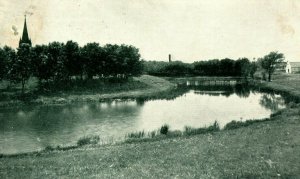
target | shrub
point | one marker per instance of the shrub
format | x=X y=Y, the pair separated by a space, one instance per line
x=86 y=140
x=164 y=129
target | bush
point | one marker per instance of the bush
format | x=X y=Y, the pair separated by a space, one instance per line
x=164 y=129
x=86 y=140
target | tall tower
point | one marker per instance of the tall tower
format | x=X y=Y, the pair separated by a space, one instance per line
x=25 y=37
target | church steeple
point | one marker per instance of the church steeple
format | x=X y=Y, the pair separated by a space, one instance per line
x=25 y=37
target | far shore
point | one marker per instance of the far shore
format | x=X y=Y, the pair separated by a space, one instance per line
x=142 y=87
x=151 y=86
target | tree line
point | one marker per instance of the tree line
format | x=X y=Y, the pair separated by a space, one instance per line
x=59 y=62
x=225 y=67
x=241 y=67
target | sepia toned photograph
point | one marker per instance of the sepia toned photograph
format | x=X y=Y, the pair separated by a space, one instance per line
x=204 y=89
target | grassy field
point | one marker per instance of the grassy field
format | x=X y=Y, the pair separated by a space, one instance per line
x=268 y=149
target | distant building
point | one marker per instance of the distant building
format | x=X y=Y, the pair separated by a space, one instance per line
x=170 y=58
x=292 y=67
x=25 y=37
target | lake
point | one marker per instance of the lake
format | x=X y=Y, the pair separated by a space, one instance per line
x=33 y=128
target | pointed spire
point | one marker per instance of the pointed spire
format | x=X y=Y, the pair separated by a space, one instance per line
x=25 y=37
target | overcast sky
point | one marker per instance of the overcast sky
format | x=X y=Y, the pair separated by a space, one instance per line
x=190 y=30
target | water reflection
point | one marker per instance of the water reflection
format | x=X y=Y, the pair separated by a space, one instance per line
x=35 y=128
x=240 y=90
x=272 y=102
x=32 y=128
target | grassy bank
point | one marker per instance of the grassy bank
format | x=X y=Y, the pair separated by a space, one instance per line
x=284 y=83
x=267 y=149
x=144 y=86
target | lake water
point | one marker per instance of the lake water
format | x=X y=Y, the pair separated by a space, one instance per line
x=33 y=128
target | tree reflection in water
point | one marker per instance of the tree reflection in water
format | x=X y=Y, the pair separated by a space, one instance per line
x=272 y=102
x=241 y=90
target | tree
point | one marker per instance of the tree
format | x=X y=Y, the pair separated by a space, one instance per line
x=227 y=67
x=270 y=61
x=242 y=67
x=209 y=68
x=93 y=60
x=7 y=56
x=21 y=67
x=253 y=68
x=40 y=63
x=55 y=61
x=113 y=62
x=130 y=62
x=73 y=62
x=3 y=64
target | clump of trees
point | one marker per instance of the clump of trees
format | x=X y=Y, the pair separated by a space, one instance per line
x=241 y=67
x=59 y=62
x=226 y=67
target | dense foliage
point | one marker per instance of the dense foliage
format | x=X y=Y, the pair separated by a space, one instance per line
x=59 y=62
x=225 y=67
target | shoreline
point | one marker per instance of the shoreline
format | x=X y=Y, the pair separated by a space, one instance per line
x=264 y=86
x=155 y=85
x=255 y=144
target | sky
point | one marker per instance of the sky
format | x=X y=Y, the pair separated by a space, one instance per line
x=190 y=30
